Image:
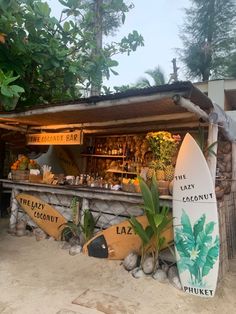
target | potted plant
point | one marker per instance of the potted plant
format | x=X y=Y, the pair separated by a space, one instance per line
x=164 y=146
x=9 y=93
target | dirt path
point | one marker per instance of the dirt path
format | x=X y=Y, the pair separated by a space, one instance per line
x=39 y=277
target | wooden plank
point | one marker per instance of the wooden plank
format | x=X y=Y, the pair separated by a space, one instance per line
x=45 y=216
x=155 y=118
x=66 y=138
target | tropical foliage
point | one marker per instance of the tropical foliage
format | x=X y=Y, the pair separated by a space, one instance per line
x=208 y=36
x=159 y=220
x=164 y=146
x=197 y=249
x=57 y=59
x=77 y=227
x=9 y=93
x=157 y=78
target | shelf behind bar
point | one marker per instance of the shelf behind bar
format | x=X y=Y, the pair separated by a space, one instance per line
x=120 y=171
x=103 y=156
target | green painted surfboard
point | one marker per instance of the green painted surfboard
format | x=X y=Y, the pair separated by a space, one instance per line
x=196 y=227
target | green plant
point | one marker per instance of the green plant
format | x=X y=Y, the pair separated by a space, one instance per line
x=159 y=220
x=197 y=249
x=163 y=145
x=70 y=230
x=9 y=94
x=88 y=224
x=75 y=227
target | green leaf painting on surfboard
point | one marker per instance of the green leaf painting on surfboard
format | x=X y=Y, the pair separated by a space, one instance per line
x=197 y=248
x=196 y=225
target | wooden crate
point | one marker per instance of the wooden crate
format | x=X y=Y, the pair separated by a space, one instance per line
x=20 y=175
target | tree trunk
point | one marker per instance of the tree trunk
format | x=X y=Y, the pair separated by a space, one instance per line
x=96 y=83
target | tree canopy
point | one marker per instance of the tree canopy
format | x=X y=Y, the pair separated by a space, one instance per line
x=55 y=58
x=208 y=36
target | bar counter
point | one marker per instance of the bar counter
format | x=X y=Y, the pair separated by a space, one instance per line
x=112 y=206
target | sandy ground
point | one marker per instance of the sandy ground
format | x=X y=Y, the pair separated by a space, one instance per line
x=40 y=277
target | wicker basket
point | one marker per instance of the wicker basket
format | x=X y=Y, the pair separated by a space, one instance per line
x=20 y=175
x=163 y=187
x=128 y=187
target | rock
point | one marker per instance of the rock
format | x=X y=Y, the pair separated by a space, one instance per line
x=131 y=261
x=20 y=232
x=76 y=249
x=176 y=283
x=173 y=272
x=165 y=268
x=74 y=241
x=148 y=265
x=160 y=275
x=21 y=225
x=39 y=234
x=137 y=273
x=173 y=277
x=12 y=230
x=64 y=245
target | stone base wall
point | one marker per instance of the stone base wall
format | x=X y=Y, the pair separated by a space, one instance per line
x=227 y=226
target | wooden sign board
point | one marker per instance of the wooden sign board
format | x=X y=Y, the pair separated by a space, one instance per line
x=196 y=227
x=68 y=138
x=117 y=241
x=45 y=216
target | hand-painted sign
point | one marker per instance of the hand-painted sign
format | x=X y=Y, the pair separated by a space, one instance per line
x=117 y=241
x=45 y=216
x=196 y=227
x=69 y=138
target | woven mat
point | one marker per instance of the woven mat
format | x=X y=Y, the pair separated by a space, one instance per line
x=105 y=303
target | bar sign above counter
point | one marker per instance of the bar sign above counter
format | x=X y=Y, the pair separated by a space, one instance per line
x=68 y=138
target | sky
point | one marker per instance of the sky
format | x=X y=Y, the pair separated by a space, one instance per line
x=158 y=21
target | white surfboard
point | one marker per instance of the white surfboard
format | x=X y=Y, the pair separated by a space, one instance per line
x=196 y=227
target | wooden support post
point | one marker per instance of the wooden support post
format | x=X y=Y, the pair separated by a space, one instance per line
x=233 y=185
x=14 y=210
x=211 y=158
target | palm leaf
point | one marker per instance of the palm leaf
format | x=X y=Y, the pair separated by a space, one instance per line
x=155 y=194
x=138 y=228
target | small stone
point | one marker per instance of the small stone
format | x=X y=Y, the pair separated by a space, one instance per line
x=137 y=273
x=39 y=234
x=172 y=272
x=173 y=277
x=176 y=283
x=12 y=230
x=165 y=268
x=131 y=261
x=148 y=265
x=21 y=225
x=64 y=245
x=76 y=249
x=20 y=232
x=74 y=241
x=160 y=275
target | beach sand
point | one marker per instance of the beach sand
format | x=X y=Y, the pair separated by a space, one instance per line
x=40 y=277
